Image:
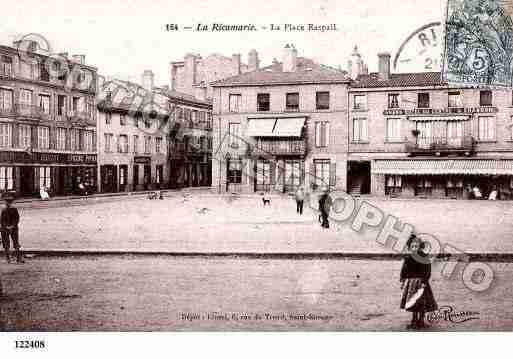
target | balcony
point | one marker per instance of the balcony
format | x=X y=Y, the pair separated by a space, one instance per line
x=441 y=145
x=7 y=110
x=279 y=148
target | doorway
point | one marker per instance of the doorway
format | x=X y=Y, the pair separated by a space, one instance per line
x=359 y=177
x=27 y=181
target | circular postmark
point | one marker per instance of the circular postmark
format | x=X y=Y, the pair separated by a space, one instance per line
x=421 y=51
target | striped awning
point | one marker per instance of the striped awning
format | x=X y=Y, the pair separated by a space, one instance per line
x=442 y=167
x=438 y=118
x=276 y=127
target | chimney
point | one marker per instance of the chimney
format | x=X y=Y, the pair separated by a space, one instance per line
x=190 y=71
x=79 y=58
x=236 y=63
x=289 y=58
x=253 y=61
x=147 y=80
x=384 y=66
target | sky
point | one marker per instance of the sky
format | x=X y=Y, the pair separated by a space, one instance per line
x=122 y=38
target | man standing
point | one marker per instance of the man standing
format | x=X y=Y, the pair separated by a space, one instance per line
x=9 y=220
x=325 y=207
x=300 y=199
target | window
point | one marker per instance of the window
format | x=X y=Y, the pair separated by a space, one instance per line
x=360 y=102
x=43 y=137
x=292 y=102
x=44 y=177
x=6 y=66
x=360 y=130
x=6 y=178
x=61 y=138
x=393 y=185
x=44 y=103
x=486 y=128
x=263 y=102
x=322 y=134
x=455 y=99
x=75 y=139
x=122 y=120
x=292 y=175
x=123 y=171
x=61 y=107
x=44 y=75
x=123 y=144
x=423 y=100
x=394 y=129
x=158 y=145
x=77 y=104
x=322 y=100
x=263 y=176
x=5 y=135
x=455 y=133
x=147 y=144
x=25 y=97
x=485 y=98
x=24 y=136
x=108 y=142
x=424 y=187
x=108 y=118
x=393 y=100
x=235 y=102
x=234 y=134
x=321 y=173
x=88 y=141
x=159 y=173
x=234 y=174
x=136 y=144
x=6 y=100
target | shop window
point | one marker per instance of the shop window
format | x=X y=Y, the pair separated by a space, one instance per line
x=393 y=185
x=6 y=178
x=322 y=173
x=234 y=174
x=424 y=187
x=263 y=176
x=454 y=188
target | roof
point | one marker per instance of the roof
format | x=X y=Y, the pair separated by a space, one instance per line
x=307 y=72
x=417 y=79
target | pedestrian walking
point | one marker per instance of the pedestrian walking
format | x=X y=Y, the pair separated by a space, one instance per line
x=9 y=220
x=325 y=207
x=300 y=199
x=417 y=295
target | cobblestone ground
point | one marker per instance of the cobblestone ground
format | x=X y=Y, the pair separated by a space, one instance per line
x=155 y=293
x=213 y=223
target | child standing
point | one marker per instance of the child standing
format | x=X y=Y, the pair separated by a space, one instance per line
x=415 y=273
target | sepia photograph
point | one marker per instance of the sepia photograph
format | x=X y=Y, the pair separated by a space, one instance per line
x=238 y=166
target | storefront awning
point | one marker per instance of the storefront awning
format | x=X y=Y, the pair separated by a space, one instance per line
x=276 y=127
x=438 y=118
x=443 y=167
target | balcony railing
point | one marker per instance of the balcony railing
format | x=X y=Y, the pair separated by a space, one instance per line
x=7 y=110
x=280 y=147
x=437 y=145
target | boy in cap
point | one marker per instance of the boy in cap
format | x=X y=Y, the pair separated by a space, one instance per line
x=9 y=220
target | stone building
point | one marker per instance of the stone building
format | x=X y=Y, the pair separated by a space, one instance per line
x=280 y=127
x=146 y=140
x=194 y=74
x=47 y=121
x=413 y=135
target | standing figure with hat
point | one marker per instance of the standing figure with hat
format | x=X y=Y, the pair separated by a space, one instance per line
x=324 y=207
x=9 y=220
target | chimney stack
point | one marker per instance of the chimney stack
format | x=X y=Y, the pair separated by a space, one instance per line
x=384 y=66
x=253 y=61
x=289 y=58
x=147 y=80
x=236 y=63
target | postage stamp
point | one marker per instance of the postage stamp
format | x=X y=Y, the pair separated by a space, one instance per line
x=479 y=43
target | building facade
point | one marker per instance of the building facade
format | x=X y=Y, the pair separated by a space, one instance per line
x=194 y=74
x=281 y=127
x=412 y=135
x=148 y=137
x=47 y=122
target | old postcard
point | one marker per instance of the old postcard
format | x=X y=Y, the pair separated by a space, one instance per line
x=285 y=166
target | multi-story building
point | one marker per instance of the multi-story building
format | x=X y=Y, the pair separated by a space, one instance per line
x=151 y=137
x=281 y=126
x=413 y=135
x=47 y=121
x=194 y=74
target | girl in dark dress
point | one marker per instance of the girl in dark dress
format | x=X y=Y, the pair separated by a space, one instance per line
x=415 y=274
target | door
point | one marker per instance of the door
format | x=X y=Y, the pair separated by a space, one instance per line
x=27 y=181
x=262 y=176
x=147 y=176
x=292 y=178
x=123 y=174
x=109 y=178
x=135 y=179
